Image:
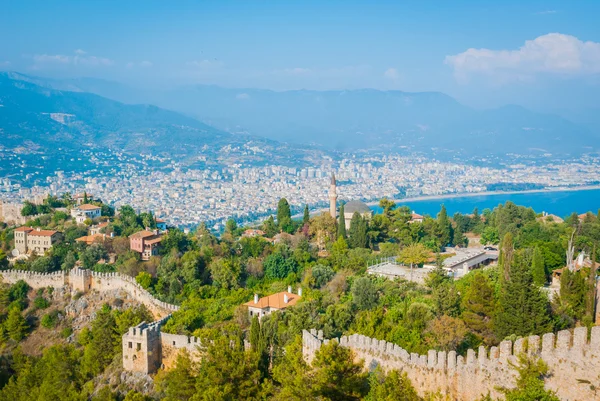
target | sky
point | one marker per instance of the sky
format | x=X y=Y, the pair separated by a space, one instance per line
x=540 y=54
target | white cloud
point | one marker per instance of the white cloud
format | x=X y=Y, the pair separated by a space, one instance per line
x=242 y=96
x=392 y=74
x=546 y=12
x=80 y=58
x=553 y=53
x=146 y=64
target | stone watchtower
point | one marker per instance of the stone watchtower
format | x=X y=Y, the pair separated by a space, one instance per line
x=80 y=279
x=333 y=197
x=141 y=348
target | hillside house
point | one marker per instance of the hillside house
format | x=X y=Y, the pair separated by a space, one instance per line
x=86 y=211
x=266 y=305
x=29 y=239
x=146 y=243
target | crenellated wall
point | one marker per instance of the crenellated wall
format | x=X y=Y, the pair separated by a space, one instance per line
x=85 y=280
x=571 y=358
x=35 y=280
x=146 y=348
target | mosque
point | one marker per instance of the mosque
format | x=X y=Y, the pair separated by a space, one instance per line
x=350 y=208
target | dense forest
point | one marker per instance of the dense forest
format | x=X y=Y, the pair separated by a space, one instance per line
x=210 y=276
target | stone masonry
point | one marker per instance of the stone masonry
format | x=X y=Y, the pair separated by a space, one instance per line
x=573 y=361
x=145 y=347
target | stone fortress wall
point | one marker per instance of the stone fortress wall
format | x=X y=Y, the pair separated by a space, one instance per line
x=145 y=347
x=85 y=280
x=571 y=358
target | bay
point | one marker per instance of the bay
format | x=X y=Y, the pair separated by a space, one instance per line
x=560 y=203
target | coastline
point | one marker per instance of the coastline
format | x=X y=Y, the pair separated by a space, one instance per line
x=425 y=198
x=488 y=193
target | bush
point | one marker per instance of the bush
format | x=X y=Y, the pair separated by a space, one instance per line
x=66 y=332
x=41 y=302
x=50 y=320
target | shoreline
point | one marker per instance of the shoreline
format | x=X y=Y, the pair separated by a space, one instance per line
x=487 y=193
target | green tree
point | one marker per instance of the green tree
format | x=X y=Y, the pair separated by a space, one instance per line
x=444 y=227
x=290 y=372
x=179 y=383
x=279 y=265
x=103 y=343
x=144 y=279
x=364 y=293
x=231 y=226
x=341 y=231
x=530 y=383
x=336 y=376
x=357 y=236
x=414 y=255
x=225 y=272
x=284 y=216
x=69 y=261
x=16 y=326
x=255 y=334
x=505 y=257
x=227 y=371
x=478 y=307
x=538 y=270
x=29 y=209
x=395 y=386
x=270 y=228
x=306 y=216
x=522 y=308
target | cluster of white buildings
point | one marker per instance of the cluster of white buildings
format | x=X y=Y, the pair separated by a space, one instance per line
x=189 y=196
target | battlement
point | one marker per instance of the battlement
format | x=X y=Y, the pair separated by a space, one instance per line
x=485 y=369
x=34 y=279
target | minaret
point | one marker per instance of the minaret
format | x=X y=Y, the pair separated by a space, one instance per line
x=332 y=197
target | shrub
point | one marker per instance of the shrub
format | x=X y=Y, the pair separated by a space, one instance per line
x=41 y=302
x=66 y=332
x=50 y=320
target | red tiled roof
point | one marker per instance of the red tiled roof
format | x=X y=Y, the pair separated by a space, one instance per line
x=88 y=207
x=90 y=239
x=142 y=234
x=275 y=301
x=36 y=232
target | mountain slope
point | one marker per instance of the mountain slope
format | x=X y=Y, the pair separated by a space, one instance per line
x=46 y=117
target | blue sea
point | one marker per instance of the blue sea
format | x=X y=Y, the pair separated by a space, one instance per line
x=560 y=203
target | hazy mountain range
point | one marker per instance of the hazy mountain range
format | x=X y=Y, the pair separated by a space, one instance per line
x=332 y=120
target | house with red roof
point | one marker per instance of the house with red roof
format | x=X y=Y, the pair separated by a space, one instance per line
x=29 y=240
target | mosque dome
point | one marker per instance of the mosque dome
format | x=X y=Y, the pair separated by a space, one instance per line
x=356 y=206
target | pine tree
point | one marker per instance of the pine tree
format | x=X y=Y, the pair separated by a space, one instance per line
x=444 y=227
x=522 y=308
x=255 y=334
x=505 y=257
x=306 y=216
x=357 y=237
x=85 y=197
x=342 y=223
x=284 y=215
x=538 y=269
x=16 y=325
x=590 y=309
x=478 y=307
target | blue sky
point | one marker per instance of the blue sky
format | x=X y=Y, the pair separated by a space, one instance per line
x=541 y=54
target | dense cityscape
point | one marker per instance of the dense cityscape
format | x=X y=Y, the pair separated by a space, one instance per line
x=212 y=195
